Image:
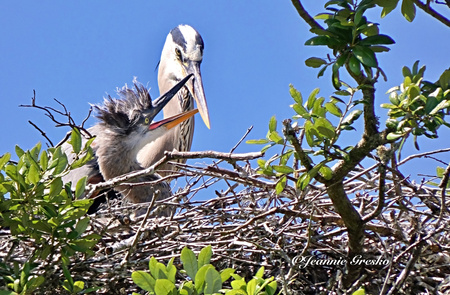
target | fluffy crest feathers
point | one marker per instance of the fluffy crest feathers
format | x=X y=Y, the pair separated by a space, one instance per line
x=122 y=114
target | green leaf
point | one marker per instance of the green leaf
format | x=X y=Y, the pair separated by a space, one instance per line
x=43 y=161
x=406 y=72
x=300 y=110
x=251 y=287
x=153 y=267
x=275 y=137
x=33 y=175
x=310 y=132
x=370 y=29
x=360 y=291
x=199 y=278
x=281 y=185
x=322 y=71
x=444 y=80
x=376 y=40
x=4 y=159
x=380 y=48
x=271 y=288
x=325 y=128
x=365 y=55
x=388 y=6
x=296 y=95
x=312 y=98
x=260 y=273
x=440 y=171
x=257 y=141
x=323 y=16
x=34 y=283
x=333 y=109
x=408 y=10
x=165 y=287
x=239 y=285
x=213 y=281
x=394 y=136
x=272 y=124
x=354 y=65
x=78 y=286
x=388 y=106
x=75 y=140
x=81 y=186
x=204 y=257
x=442 y=105
x=352 y=117
x=326 y=172
x=171 y=270
x=226 y=274
x=189 y=262
x=303 y=181
x=315 y=62
x=335 y=76
x=283 y=169
x=318 y=40
x=82 y=225
x=19 y=151
x=59 y=161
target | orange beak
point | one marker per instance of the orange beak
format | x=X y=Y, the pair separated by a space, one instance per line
x=173 y=121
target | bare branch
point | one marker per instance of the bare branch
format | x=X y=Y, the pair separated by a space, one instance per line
x=427 y=8
x=305 y=15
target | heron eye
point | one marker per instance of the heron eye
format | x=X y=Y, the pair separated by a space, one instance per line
x=178 y=52
x=146 y=121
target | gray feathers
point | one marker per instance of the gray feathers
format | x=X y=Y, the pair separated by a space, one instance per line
x=122 y=115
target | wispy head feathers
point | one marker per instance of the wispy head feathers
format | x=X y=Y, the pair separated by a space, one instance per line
x=121 y=115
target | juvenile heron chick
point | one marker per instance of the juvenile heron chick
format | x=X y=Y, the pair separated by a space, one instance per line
x=125 y=127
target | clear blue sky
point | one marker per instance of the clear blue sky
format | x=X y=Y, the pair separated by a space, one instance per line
x=79 y=51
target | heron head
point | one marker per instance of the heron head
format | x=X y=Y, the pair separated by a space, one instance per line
x=182 y=55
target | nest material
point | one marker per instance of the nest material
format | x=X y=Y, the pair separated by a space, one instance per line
x=248 y=226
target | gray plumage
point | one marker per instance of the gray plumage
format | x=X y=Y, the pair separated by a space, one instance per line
x=125 y=127
x=121 y=122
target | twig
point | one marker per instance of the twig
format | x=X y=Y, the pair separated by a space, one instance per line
x=138 y=232
x=443 y=185
x=423 y=155
x=305 y=15
x=42 y=132
x=432 y=12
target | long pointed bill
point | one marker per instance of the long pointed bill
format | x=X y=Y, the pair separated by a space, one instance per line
x=198 y=93
x=161 y=101
x=174 y=120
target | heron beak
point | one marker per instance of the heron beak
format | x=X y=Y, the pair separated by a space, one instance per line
x=198 y=93
x=161 y=101
x=173 y=121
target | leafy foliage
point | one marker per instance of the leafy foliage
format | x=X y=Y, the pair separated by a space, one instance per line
x=202 y=277
x=38 y=208
x=353 y=39
x=417 y=107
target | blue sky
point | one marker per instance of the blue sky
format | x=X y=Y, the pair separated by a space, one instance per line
x=78 y=52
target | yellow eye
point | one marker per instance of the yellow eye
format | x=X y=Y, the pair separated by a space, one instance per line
x=146 y=120
x=178 y=52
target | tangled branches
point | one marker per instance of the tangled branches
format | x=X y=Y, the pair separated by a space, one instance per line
x=297 y=235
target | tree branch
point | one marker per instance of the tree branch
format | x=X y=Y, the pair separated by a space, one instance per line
x=305 y=15
x=169 y=156
x=427 y=8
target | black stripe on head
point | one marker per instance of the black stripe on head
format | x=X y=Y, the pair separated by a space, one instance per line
x=178 y=37
x=199 y=41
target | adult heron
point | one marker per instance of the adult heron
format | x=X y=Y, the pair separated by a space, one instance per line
x=125 y=126
x=181 y=56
